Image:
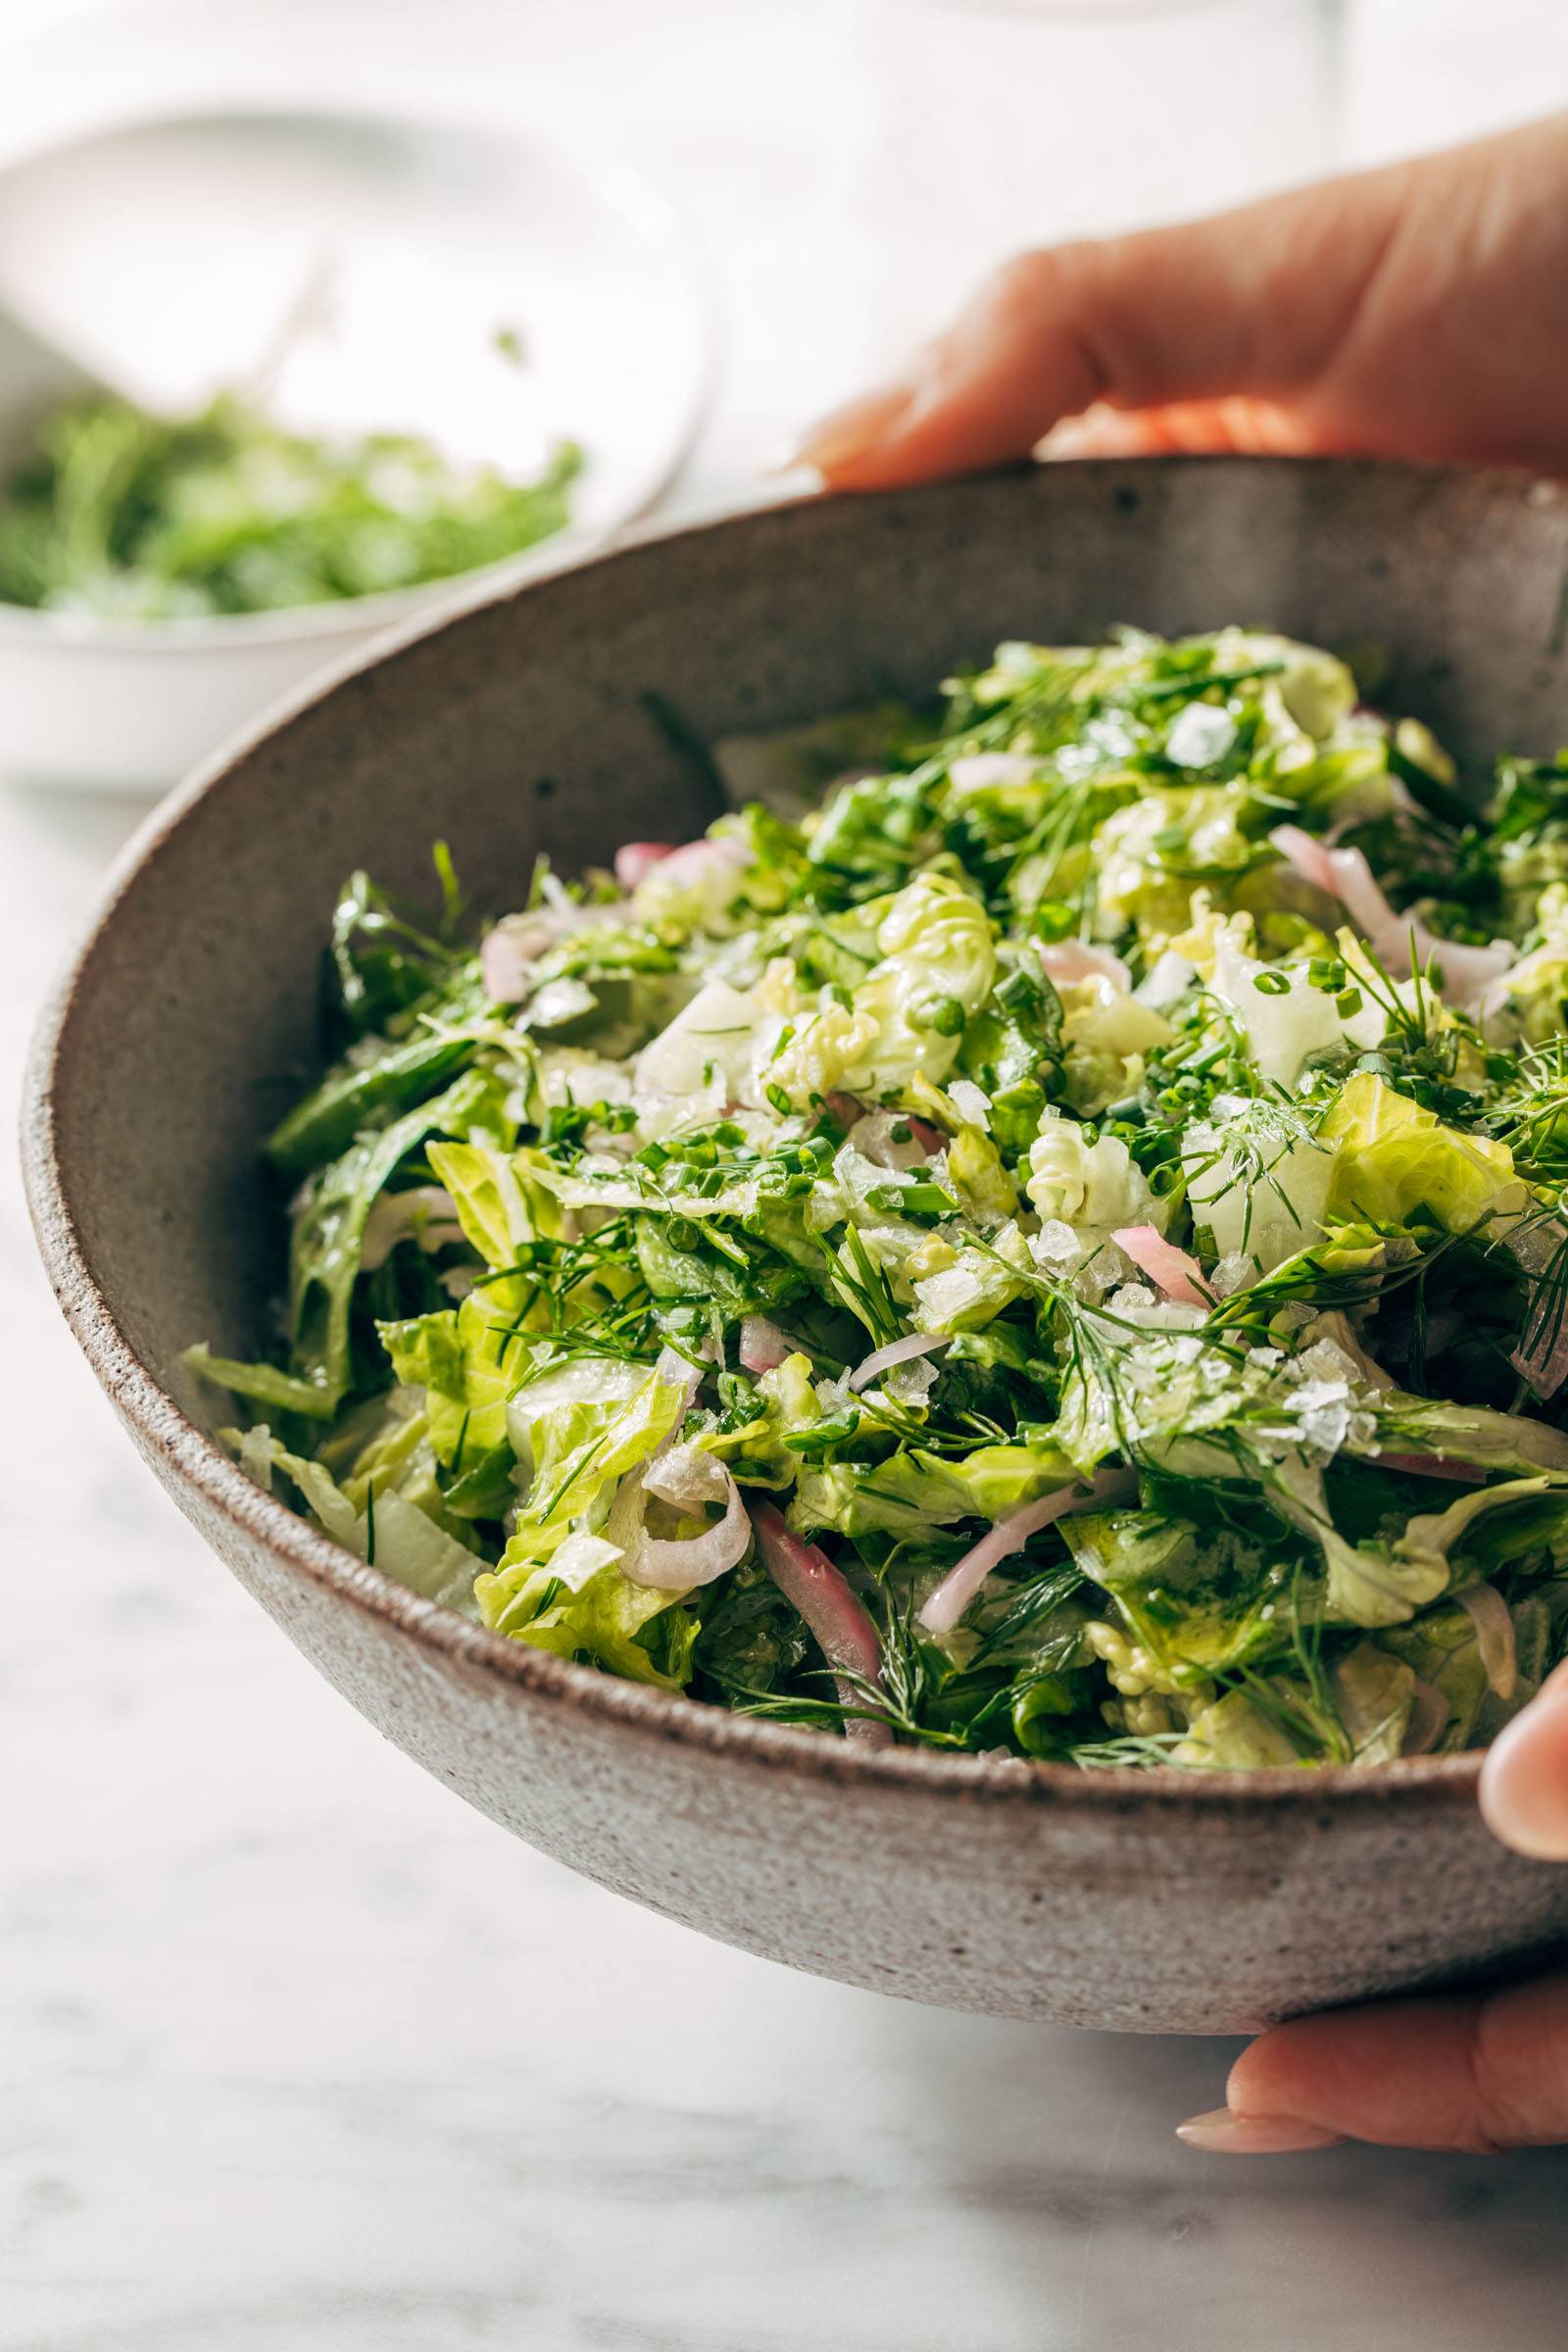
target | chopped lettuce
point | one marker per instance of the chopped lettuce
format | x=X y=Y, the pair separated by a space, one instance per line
x=1198 y=1601
x=1393 y=1161
x=587 y=1431
x=1021 y=1117
x=627 y=1629
x=391 y=1528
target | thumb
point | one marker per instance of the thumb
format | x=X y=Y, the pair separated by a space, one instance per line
x=1456 y=2073
x=1250 y=305
x=1524 y=1780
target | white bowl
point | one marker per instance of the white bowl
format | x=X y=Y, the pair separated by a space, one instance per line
x=168 y=256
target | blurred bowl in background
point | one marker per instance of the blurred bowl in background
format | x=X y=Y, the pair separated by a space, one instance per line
x=373 y=272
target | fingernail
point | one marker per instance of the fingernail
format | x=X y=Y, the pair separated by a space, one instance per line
x=1073 y=437
x=1222 y=2133
x=1099 y=432
x=850 y=432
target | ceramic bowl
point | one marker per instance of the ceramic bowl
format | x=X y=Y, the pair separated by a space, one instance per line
x=1159 y=1901
x=358 y=267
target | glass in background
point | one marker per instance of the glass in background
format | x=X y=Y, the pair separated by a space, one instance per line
x=1006 y=123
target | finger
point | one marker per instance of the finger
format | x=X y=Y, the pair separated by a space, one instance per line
x=1463 y=2075
x=1251 y=304
x=1523 y=1781
x=1248 y=427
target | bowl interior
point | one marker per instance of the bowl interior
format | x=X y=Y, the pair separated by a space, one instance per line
x=525 y=724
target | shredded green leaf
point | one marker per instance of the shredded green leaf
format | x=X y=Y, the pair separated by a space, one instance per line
x=1028 y=1147
x=131 y=515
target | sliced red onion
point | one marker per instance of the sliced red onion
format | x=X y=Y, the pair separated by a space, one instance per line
x=688 y=1477
x=1429 y=1465
x=1172 y=1270
x=677 y=1372
x=1341 y=874
x=930 y=1138
x=1542 y=1355
x=1073 y=959
x=697 y=861
x=634 y=858
x=1429 y=1720
x=898 y=1351
x=763 y=1346
x=1467 y=973
x=838 y=1624
x=1544 y=1368
x=846 y=1110
x=1345 y=874
x=509 y=953
x=426 y=1215
x=1495 y=1638
x=945 y=1605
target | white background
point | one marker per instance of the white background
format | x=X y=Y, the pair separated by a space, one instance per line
x=296 y=2055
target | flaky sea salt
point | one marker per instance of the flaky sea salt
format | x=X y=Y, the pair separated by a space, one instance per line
x=1233 y=1273
x=946 y=1296
x=970 y=1099
x=1055 y=1247
x=1325 y=1360
x=1202 y=735
x=910 y=1384
x=1323 y=1409
x=1132 y=1298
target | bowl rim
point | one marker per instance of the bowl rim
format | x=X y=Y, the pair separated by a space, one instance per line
x=162 y=1428
x=635 y=196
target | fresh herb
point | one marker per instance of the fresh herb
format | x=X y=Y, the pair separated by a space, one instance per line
x=135 y=517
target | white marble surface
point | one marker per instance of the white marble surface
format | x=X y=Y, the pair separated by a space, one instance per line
x=297 y=2055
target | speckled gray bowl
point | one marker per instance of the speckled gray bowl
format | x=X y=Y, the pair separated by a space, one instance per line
x=1162 y=1903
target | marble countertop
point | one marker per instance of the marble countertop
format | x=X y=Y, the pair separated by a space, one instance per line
x=298 y=2055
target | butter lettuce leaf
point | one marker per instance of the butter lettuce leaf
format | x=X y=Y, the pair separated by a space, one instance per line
x=607 y=1621
x=1393 y=1158
x=387 y=1529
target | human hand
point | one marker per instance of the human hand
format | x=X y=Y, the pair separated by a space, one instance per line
x=1412 y=312
x=1463 y=2071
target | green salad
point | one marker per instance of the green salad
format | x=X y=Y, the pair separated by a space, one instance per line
x=135 y=517
x=1057 y=1250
